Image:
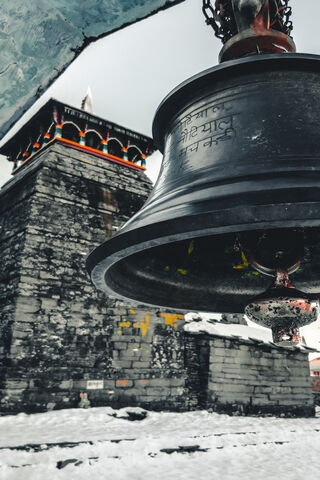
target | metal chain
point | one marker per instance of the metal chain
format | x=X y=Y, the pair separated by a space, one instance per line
x=283 y=16
x=212 y=18
x=221 y=17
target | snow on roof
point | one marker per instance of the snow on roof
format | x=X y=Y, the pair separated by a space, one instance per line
x=213 y=327
x=197 y=324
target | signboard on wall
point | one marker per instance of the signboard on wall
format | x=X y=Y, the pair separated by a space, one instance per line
x=94 y=384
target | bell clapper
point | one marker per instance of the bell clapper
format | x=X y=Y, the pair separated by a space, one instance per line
x=284 y=309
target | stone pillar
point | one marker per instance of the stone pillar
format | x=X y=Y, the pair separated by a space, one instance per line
x=46 y=138
x=125 y=153
x=35 y=147
x=82 y=138
x=104 y=146
x=58 y=130
x=143 y=160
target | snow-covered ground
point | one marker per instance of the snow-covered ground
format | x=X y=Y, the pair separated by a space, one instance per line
x=102 y=443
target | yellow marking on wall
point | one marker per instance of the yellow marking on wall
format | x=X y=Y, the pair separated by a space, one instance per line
x=191 y=247
x=244 y=263
x=182 y=271
x=171 y=318
x=125 y=324
x=143 y=324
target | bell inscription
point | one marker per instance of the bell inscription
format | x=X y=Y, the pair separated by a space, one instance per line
x=199 y=131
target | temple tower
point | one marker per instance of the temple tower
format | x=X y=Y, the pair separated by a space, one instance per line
x=76 y=179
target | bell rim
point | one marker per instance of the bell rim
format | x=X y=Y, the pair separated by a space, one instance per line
x=125 y=244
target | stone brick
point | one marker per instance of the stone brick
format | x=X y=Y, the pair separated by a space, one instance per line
x=124 y=383
x=142 y=383
x=121 y=364
x=16 y=384
x=177 y=391
x=109 y=383
x=120 y=345
x=129 y=354
x=217 y=360
x=122 y=338
x=229 y=388
x=154 y=382
x=65 y=385
x=138 y=364
x=177 y=382
x=79 y=385
x=158 y=391
x=20 y=334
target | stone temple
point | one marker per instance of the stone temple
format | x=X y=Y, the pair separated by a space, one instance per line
x=76 y=179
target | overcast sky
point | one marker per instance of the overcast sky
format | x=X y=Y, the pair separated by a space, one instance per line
x=130 y=71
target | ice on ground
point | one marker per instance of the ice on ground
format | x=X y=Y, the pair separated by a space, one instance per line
x=101 y=443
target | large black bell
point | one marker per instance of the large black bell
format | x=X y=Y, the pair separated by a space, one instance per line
x=238 y=196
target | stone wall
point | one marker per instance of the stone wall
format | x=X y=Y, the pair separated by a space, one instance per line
x=148 y=361
x=316 y=389
x=248 y=376
x=14 y=208
x=59 y=336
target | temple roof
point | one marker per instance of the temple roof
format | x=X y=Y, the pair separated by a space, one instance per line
x=77 y=128
x=56 y=112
